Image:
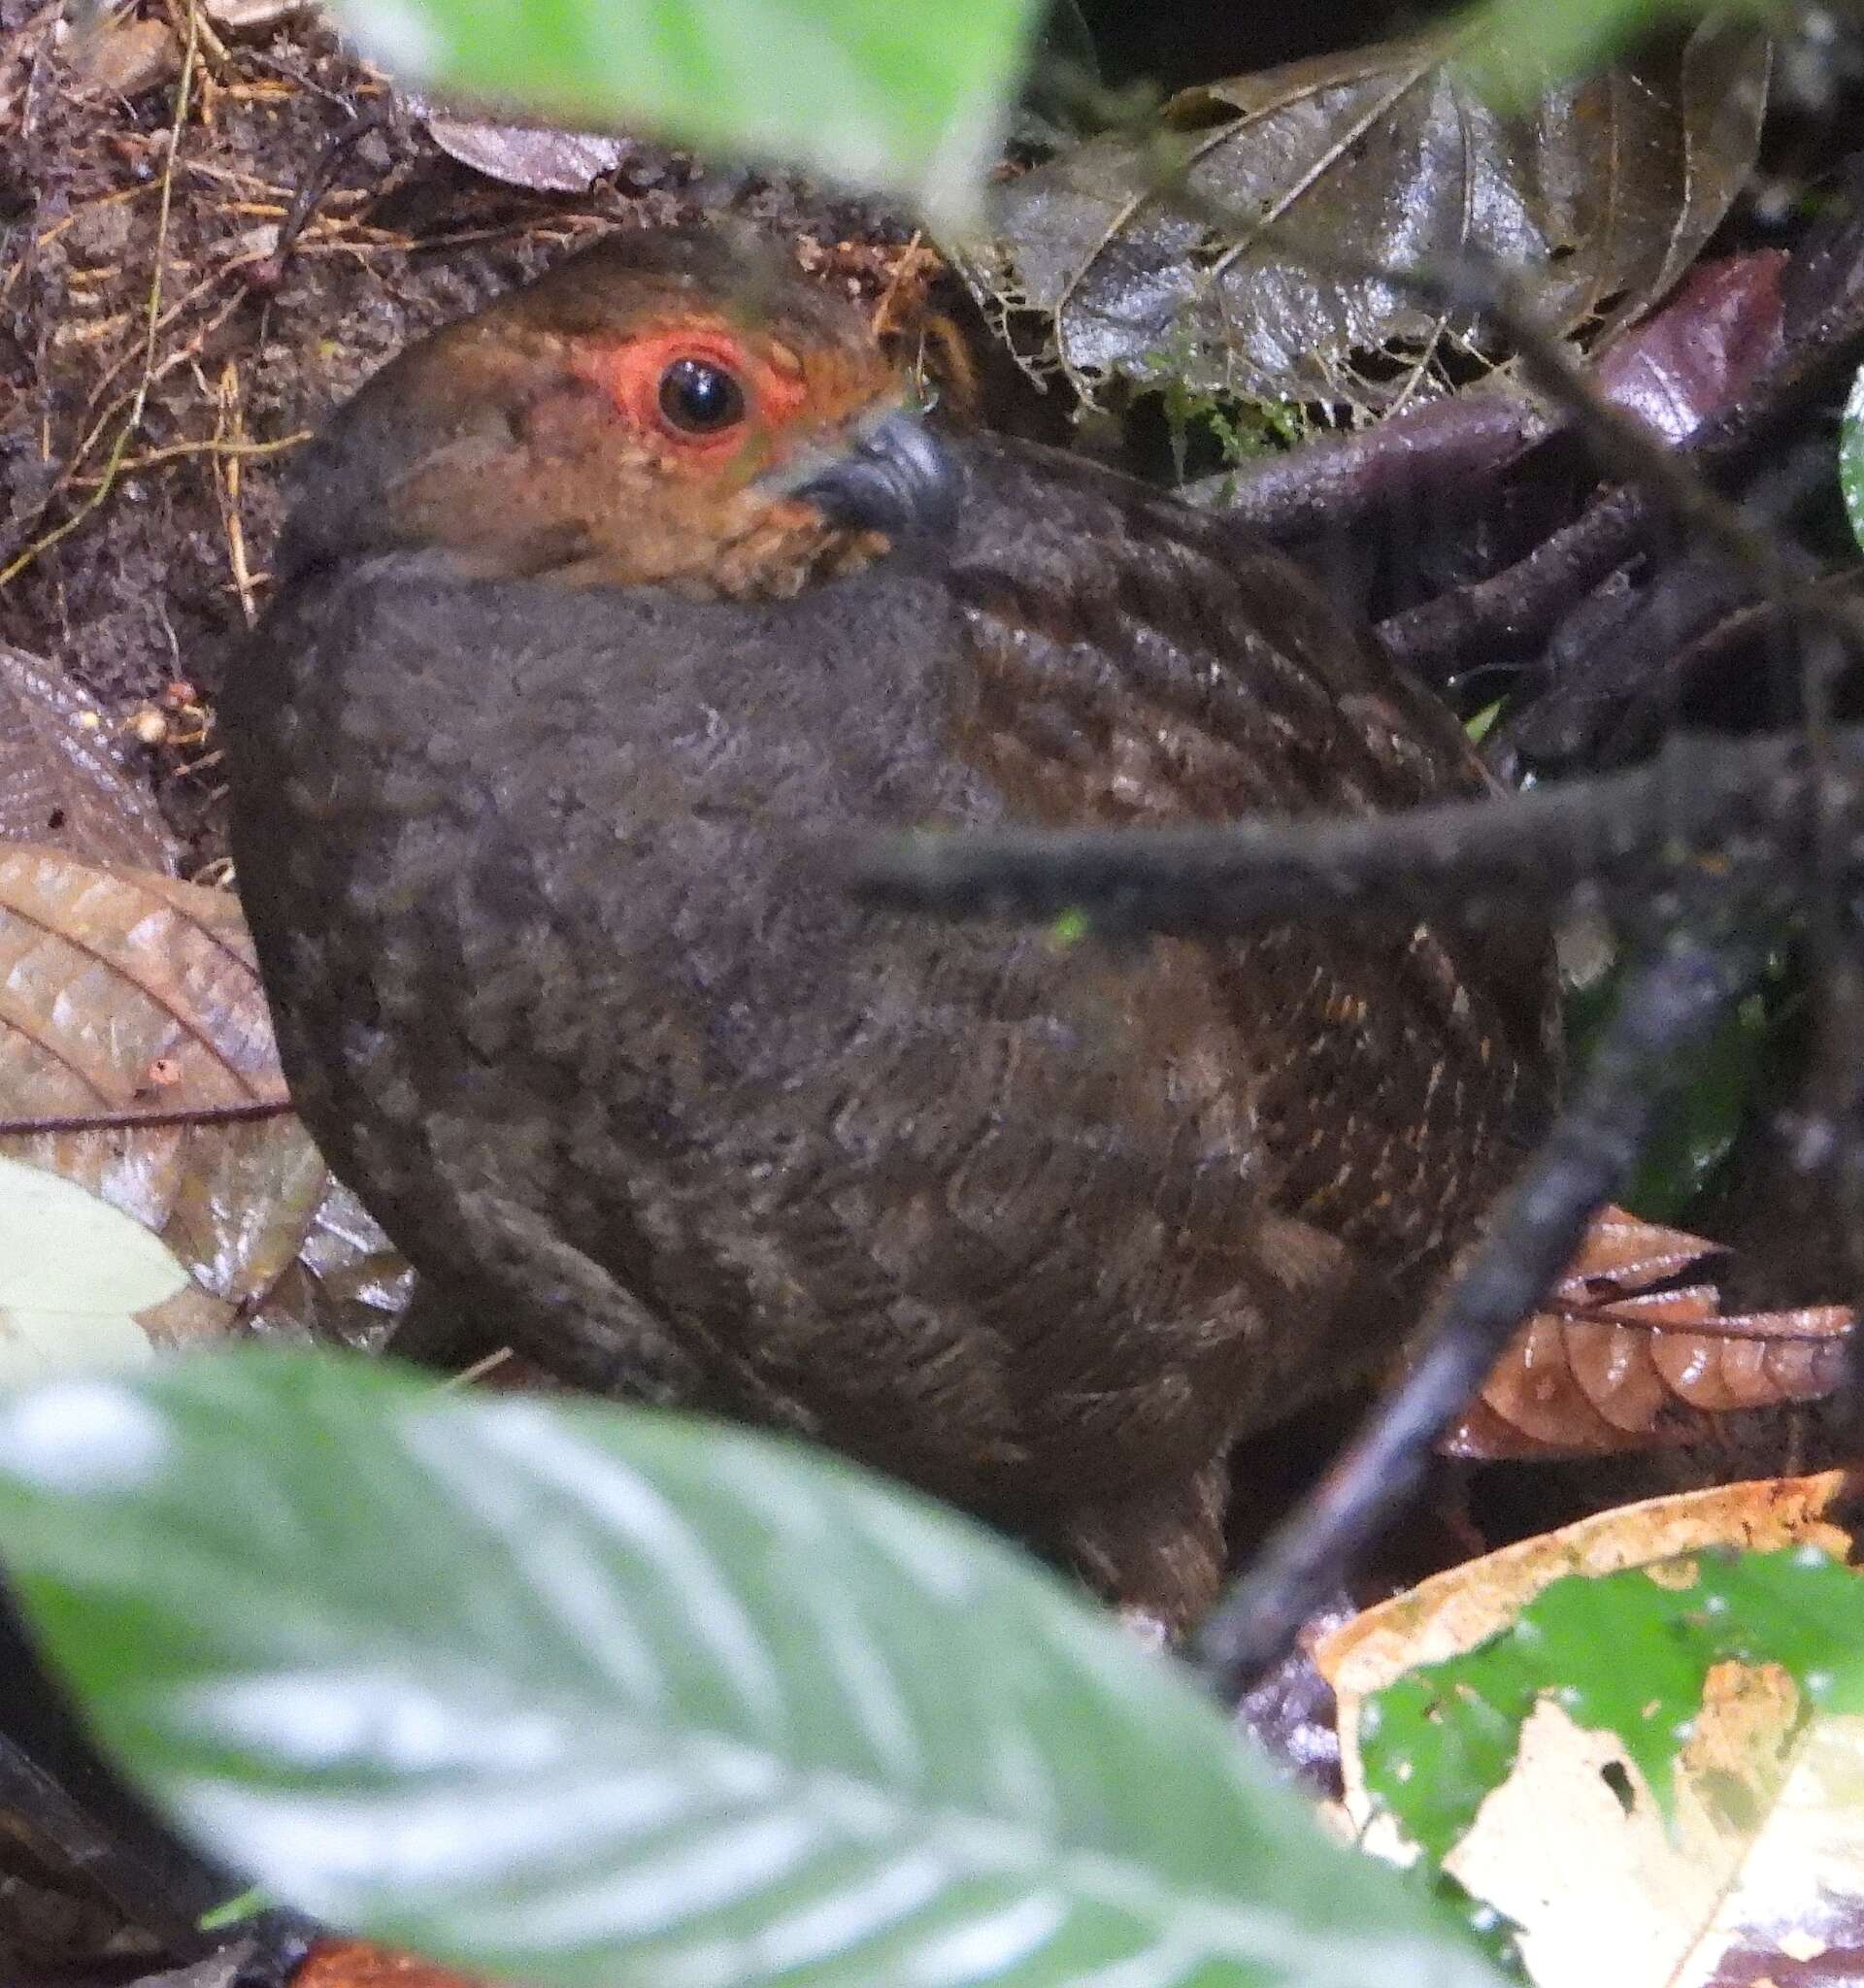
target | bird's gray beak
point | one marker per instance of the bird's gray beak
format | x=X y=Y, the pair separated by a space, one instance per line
x=895 y=478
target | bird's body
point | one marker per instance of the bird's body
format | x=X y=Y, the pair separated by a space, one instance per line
x=1038 y=1226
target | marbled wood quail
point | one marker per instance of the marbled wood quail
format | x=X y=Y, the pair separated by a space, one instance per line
x=591 y=604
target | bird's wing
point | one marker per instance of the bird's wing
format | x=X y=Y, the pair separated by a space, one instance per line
x=1138 y=662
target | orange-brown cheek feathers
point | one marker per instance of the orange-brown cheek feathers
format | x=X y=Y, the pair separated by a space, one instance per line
x=610 y=425
x=703 y=415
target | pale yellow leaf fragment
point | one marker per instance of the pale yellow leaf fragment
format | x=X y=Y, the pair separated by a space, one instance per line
x=1801 y=1892
x=75 y=1273
x=1762 y=1859
x=1575 y=1850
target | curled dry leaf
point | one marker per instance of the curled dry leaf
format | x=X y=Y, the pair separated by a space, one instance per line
x=1752 y=1875
x=1624 y=1358
x=498 y=141
x=61 y=776
x=1178 y=254
x=125 y=995
x=521 y=155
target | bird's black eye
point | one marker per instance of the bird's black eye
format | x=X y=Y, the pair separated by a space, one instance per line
x=700 y=398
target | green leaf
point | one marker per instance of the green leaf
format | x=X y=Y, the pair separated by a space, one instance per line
x=581 y=1695
x=1622 y=1653
x=1697 y=1129
x=1850 y=457
x=910 y=98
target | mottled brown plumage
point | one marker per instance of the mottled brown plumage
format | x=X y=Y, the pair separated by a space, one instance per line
x=522 y=754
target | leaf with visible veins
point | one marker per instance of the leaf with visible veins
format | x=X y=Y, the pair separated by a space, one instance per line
x=130 y=997
x=1178 y=254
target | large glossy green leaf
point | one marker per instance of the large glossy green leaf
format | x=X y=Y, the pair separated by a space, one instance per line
x=908 y=98
x=589 y=1694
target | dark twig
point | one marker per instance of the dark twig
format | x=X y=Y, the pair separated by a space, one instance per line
x=1830 y=622
x=1332 y=483
x=57 y=1789
x=1735 y=803
x=1511 y=611
x=143 y=1121
x=1513 y=608
x=1669 y=1008
x=151 y=1883
x=268 y=273
x=1626 y=448
x=1654 y=640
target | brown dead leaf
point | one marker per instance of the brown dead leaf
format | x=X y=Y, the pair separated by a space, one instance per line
x=127 y=997
x=124 y=52
x=1622 y=1358
x=62 y=779
x=1177 y=253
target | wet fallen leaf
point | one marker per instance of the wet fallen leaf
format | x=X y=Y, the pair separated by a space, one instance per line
x=1691 y=360
x=61 y=776
x=1178 y=254
x=1747 y=1864
x=126 y=996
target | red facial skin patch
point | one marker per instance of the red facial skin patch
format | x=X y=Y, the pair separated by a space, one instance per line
x=630 y=372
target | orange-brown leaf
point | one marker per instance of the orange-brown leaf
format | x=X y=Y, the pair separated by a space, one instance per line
x=1622 y=1359
x=354 y=1964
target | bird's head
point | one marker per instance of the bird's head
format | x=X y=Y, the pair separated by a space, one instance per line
x=661 y=409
